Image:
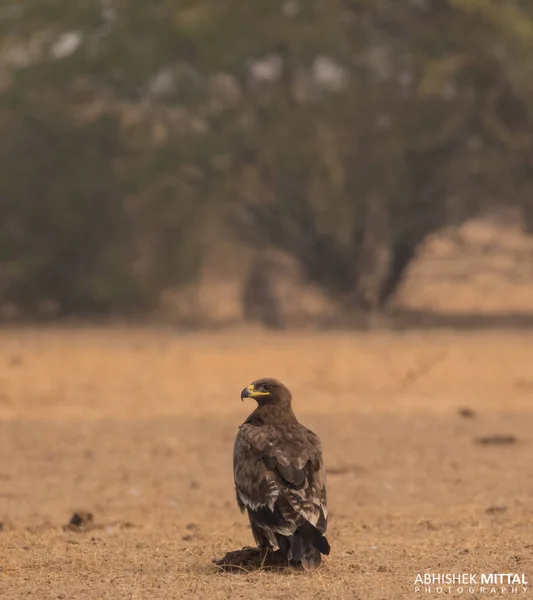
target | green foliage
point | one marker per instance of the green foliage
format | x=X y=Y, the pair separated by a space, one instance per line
x=415 y=140
x=68 y=237
x=340 y=132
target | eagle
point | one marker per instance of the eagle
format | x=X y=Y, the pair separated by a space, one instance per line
x=280 y=478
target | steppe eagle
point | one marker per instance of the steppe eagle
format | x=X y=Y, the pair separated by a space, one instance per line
x=280 y=478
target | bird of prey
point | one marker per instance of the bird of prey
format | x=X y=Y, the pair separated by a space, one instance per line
x=280 y=478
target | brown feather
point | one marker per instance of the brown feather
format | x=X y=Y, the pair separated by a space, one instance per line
x=280 y=478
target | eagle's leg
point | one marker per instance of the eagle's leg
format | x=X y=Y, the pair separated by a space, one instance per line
x=259 y=536
x=283 y=544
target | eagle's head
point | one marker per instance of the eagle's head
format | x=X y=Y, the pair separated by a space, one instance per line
x=267 y=391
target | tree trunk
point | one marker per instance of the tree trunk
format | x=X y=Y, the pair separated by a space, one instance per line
x=402 y=255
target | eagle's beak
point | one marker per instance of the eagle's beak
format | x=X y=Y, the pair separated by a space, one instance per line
x=250 y=392
x=246 y=393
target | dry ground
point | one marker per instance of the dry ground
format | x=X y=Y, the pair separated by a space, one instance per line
x=137 y=427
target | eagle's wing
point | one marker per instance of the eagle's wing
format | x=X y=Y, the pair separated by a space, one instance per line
x=280 y=477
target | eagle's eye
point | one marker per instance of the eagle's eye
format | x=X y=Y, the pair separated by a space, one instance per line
x=267 y=387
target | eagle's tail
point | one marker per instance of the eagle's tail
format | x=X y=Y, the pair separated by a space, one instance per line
x=306 y=545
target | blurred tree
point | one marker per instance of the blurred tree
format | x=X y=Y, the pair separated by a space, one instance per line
x=341 y=132
x=99 y=215
x=403 y=124
x=62 y=228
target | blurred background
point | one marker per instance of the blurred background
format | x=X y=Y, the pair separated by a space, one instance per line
x=206 y=162
x=331 y=192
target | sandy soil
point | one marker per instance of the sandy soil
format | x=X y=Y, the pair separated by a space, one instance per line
x=137 y=427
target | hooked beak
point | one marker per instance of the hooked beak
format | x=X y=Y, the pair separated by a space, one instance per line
x=246 y=392
x=250 y=392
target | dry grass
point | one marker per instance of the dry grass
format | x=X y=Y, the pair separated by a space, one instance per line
x=137 y=427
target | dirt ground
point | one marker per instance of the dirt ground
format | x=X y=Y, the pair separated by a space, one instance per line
x=137 y=427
